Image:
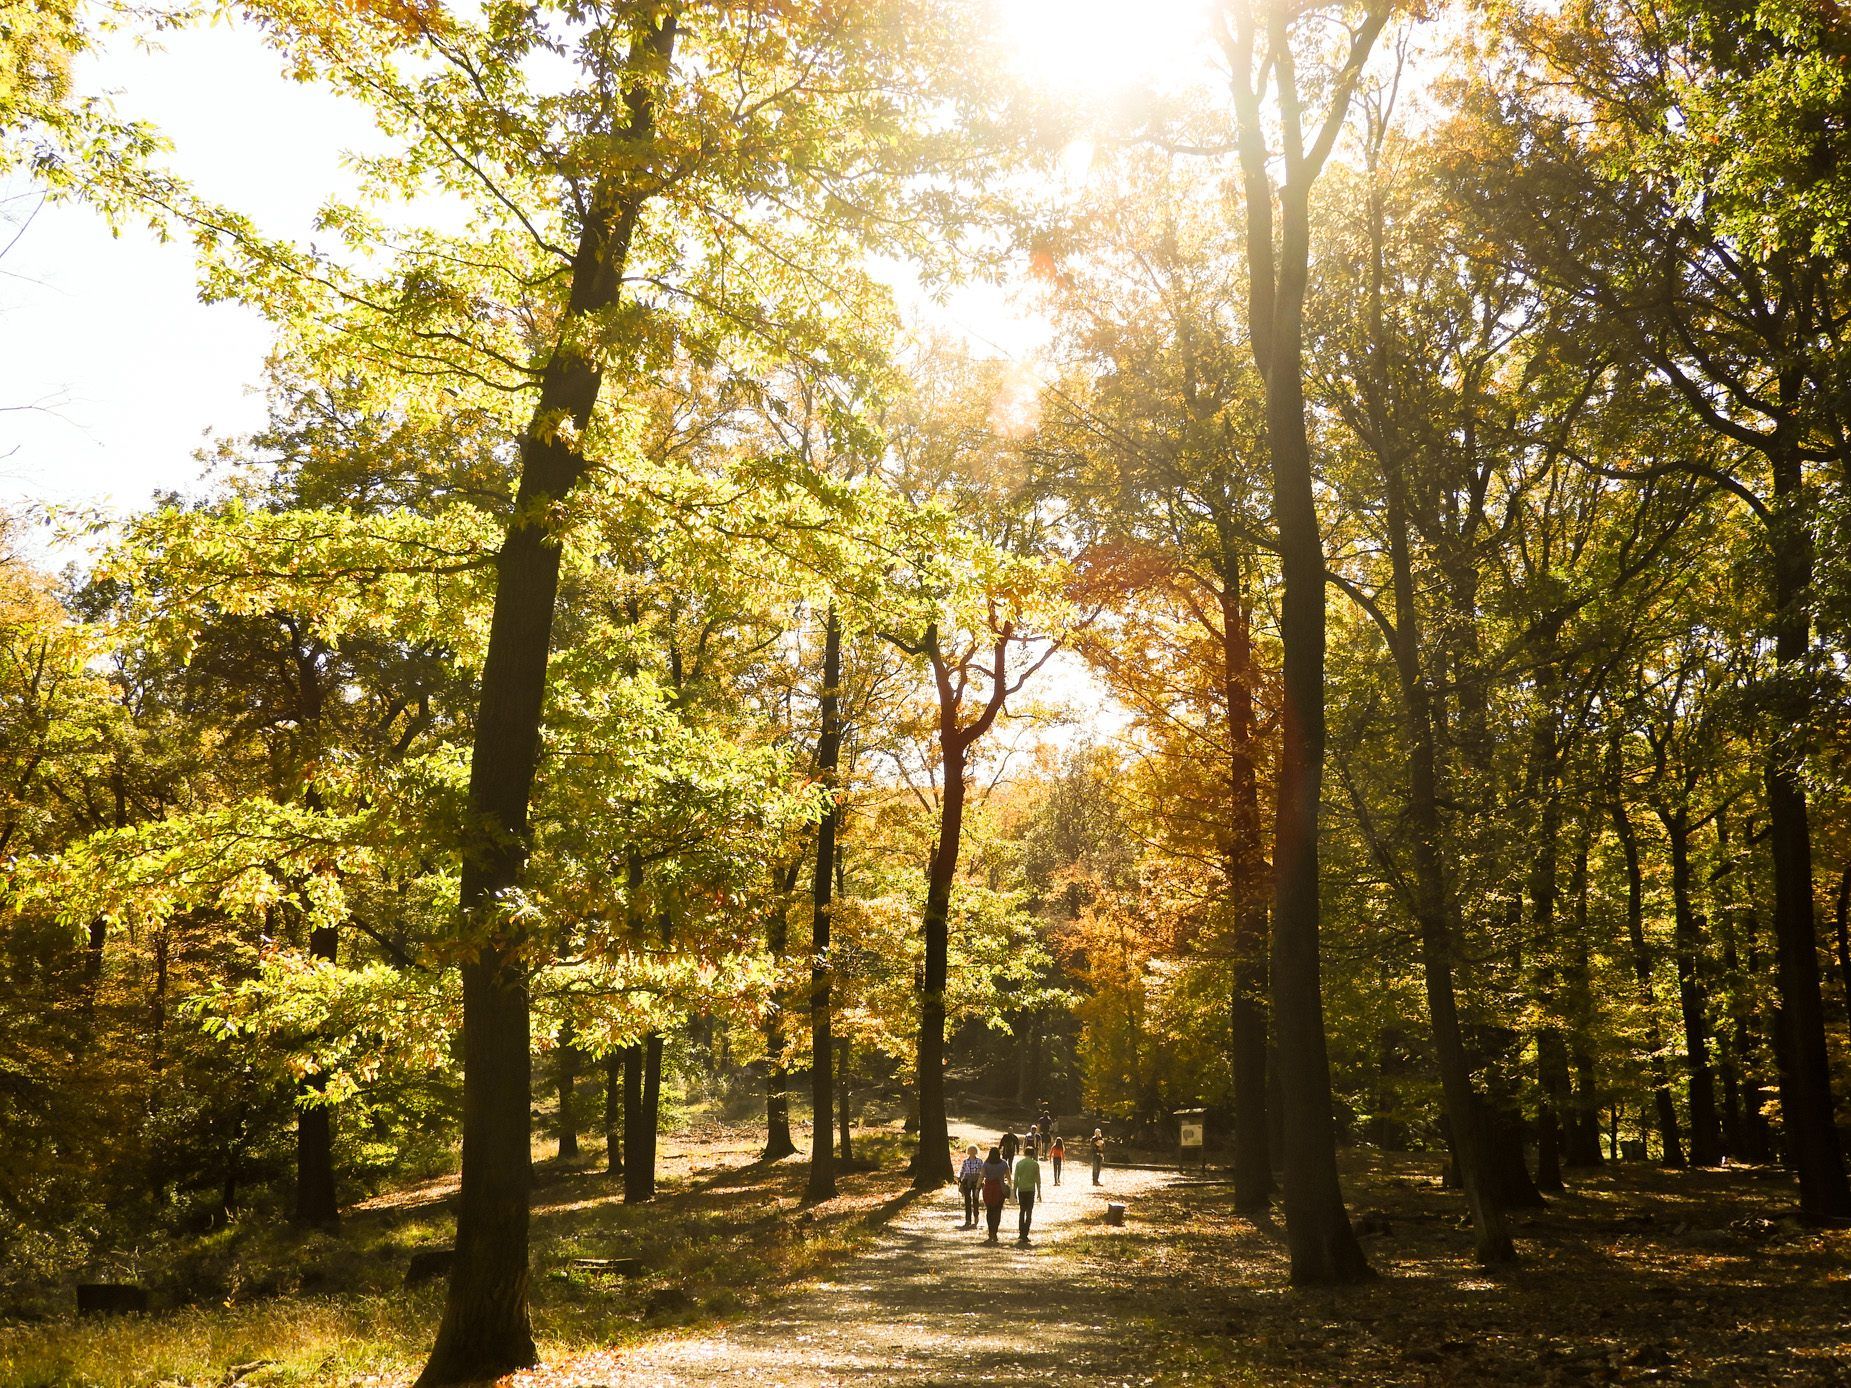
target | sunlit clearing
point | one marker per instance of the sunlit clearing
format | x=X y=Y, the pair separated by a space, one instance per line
x=1104 y=46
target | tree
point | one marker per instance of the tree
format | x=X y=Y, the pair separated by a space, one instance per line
x=821 y=1184
x=1259 y=43
x=968 y=612
x=1639 y=213
x=696 y=143
x=1161 y=420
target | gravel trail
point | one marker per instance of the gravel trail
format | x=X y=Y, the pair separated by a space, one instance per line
x=932 y=1304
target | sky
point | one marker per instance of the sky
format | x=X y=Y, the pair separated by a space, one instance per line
x=112 y=373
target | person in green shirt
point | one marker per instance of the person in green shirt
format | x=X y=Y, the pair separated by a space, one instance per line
x=1027 y=1186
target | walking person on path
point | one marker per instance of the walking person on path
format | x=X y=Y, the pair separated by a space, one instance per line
x=1010 y=1145
x=1098 y=1153
x=1027 y=1186
x=995 y=1190
x=970 y=1181
x=1057 y=1153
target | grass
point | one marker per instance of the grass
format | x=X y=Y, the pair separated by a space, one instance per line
x=1635 y=1275
x=268 y=1307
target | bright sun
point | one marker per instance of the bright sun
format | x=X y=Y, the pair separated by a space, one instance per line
x=1104 y=46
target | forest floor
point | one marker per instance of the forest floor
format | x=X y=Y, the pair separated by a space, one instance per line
x=1635 y=1276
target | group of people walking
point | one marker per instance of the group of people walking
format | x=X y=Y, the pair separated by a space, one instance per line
x=1014 y=1167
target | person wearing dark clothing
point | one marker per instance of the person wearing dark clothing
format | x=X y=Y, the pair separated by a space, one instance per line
x=995 y=1190
x=1027 y=1186
x=970 y=1182
x=1010 y=1145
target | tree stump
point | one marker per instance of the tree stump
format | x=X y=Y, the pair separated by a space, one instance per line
x=1115 y=1214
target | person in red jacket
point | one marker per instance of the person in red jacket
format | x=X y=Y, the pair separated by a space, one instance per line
x=995 y=1190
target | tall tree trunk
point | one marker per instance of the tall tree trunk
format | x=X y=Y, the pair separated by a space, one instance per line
x=1583 y=1137
x=951 y=675
x=1744 y=1128
x=778 y=1144
x=1556 y=1086
x=932 y=1161
x=843 y=1117
x=1705 y=1126
x=1493 y=1051
x=486 y=1330
x=1023 y=1029
x=1805 y=1074
x=1755 y=1126
x=1551 y=1048
x=639 y=1163
x=1247 y=889
x=94 y=937
x=1322 y=1245
x=822 y=1182
x=566 y=1080
x=651 y=1111
x=613 y=1112
x=157 y=1055
x=1434 y=905
x=1672 y=1147
x=315 y=1198
x=1841 y=931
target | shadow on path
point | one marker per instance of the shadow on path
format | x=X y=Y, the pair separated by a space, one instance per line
x=931 y=1303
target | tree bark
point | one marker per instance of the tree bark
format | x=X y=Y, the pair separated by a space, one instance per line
x=1323 y=1247
x=1246 y=869
x=1805 y=1074
x=822 y=1181
x=1551 y=1048
x=1493 y=1051
x=1841 y=930
x=844 y=1119
x=613 y=1113
x=566 y=1077
x=1582 y=1147
x=1555 y=1084
x=316 y=1204
x=932 y=1161
x=1705 y=1125
x=486 y=1329
x=1755 y=1127
x=778 y=1144
x=1672 y=1150
x=639 y=1172
x=1434 y=907
x=651 y=1126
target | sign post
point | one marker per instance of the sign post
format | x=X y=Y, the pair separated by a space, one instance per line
x=1191 y=1130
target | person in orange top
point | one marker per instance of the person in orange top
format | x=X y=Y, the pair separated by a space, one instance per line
x=1057 y=1153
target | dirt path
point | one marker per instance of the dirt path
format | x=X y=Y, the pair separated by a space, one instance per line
x=931 y=1304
